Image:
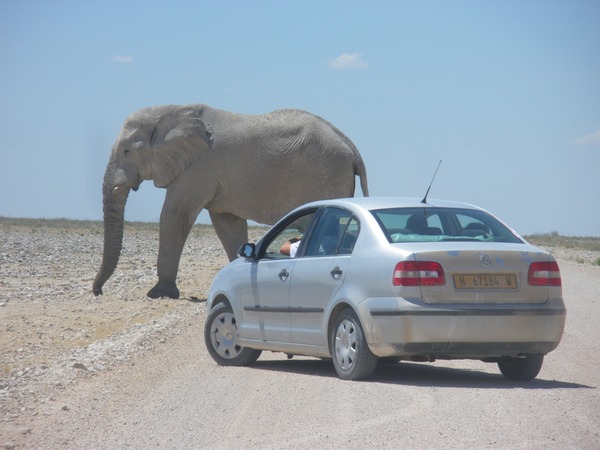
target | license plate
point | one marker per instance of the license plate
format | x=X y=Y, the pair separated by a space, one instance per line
x=485 y=281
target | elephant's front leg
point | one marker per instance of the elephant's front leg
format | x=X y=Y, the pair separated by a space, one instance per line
x=175 y=225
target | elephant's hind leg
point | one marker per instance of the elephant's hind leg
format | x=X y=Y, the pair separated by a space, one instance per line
x=231 y=230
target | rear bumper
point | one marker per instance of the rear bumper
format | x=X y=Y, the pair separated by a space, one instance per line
x=395 y=327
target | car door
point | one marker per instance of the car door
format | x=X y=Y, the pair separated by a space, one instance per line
x=265 y=300
x=265 y=293
x=318 y=273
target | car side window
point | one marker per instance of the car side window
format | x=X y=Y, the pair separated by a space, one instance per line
x=349 y=237
x=292 y=230
x=334 y=233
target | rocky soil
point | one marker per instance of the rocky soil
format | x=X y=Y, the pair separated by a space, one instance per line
x=55 y=333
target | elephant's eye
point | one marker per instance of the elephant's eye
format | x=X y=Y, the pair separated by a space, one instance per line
x=126 y=151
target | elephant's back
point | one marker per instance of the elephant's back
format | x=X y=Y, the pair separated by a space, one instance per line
x=298 y=126
x=311 y=132
x=286 y=138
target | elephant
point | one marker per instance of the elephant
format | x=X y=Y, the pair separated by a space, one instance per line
x=237 y=166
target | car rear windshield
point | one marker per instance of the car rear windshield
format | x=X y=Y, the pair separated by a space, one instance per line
x=442 y=224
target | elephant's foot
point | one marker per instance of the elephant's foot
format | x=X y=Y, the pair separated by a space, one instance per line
x=164 y=290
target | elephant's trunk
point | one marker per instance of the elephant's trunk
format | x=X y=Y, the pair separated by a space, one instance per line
x=114 y=216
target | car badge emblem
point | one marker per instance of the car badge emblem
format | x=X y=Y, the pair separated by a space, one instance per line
x=485 y=259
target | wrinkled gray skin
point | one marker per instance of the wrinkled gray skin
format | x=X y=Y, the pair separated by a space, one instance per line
x=239 y=167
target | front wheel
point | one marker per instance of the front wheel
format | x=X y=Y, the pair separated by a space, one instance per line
x=352 y=358
x=222 y=339
x=521 y=369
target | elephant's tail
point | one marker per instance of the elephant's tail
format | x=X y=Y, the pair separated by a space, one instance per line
x=361 y=171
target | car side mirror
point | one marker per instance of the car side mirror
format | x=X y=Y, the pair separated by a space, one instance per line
x=247 y=251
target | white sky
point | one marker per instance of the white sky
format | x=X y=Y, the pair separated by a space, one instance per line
x=506 y=93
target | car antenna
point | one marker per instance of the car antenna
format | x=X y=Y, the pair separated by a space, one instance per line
x=427 y=193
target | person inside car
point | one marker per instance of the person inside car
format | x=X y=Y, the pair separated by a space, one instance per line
x=290 y=247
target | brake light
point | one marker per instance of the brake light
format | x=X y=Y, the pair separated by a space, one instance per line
x=544 y=273
x=418 y=273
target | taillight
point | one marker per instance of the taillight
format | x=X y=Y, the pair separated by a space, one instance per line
x=418 y=273
x=544 y=273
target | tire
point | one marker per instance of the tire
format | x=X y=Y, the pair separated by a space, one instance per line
x=351 y=356
x=521 y=369
x=221 y=338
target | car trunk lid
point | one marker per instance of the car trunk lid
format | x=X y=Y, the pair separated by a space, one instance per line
x=484 y=276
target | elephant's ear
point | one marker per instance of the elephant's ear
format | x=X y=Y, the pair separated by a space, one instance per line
x=178 y=138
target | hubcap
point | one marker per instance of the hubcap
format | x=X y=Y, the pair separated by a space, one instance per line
x=345 y=344
x=223 y=335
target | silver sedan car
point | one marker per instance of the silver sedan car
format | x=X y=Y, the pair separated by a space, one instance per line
x=362 y=280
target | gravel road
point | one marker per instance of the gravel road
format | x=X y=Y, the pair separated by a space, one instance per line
x=122 y=371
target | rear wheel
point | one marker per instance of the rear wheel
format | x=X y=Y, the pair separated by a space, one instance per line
x=521 y=369
x=352 y=358
x=222 y=340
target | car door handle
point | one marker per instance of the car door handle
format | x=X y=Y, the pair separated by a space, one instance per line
x=336 y=272
x=283 y=275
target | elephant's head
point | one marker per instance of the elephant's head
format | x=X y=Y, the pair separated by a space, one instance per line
x=157 y=144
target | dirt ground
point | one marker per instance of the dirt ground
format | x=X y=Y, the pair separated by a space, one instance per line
x=55 y=335
x=53 y=329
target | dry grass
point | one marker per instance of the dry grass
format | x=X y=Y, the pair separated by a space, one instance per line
x=571 y=242
x=587 y=244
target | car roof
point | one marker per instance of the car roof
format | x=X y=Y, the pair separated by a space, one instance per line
x=374 y=203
